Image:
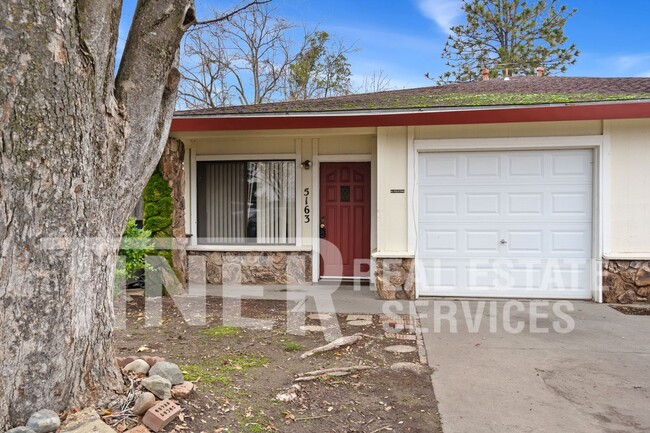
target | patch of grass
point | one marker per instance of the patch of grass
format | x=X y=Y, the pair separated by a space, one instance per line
x=221 y=331
x=219 y=369
x=253 y=423
x=292 y=346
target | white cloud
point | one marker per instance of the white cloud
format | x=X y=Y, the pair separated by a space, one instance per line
x=629 y=62
x=442 y=12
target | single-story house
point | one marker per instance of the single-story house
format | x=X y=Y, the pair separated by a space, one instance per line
x=527 y=187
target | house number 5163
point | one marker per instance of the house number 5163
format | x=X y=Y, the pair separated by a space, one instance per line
x=306 y=209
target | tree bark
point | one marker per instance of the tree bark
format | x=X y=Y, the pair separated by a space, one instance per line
x=77 y=146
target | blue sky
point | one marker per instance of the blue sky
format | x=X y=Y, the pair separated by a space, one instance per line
x=404 y=38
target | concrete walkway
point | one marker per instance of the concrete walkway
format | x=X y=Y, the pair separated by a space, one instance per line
x=593 y=379
x=330 y=297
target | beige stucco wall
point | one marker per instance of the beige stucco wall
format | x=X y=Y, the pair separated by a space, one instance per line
x=392 y=170
x=537 y=129
x=630 y=187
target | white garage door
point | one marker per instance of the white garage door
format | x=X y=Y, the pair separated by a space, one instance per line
x=505 y=224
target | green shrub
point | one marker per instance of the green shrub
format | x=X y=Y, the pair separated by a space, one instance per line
x=135 y=246
x=158 y=214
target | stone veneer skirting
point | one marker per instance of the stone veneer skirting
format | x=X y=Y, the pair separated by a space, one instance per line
x=395 y=278
x=626 y=281
x=265 y=267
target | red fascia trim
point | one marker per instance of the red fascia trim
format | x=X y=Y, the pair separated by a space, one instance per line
x=639 y=110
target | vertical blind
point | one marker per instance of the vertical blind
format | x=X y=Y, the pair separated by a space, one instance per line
x=246 y=202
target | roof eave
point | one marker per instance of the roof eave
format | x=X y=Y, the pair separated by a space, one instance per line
x=420 y=116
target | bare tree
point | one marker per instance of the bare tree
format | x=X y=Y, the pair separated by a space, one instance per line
x=377 y=82
x=252 y=58
x=247 y=55
x=77 y=145
x=204 y=76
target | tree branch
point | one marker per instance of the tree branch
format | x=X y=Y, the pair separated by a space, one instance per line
x=231 y=14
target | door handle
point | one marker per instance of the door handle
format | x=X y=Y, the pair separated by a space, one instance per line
x=503 y=241
x=322 y=234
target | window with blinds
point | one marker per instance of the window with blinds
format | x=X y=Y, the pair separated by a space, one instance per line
x=246 y=202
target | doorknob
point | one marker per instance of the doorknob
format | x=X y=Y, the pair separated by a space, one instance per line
x=503 y=241
x=322 y=234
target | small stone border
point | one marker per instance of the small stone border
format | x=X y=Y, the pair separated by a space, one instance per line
x=422 y=351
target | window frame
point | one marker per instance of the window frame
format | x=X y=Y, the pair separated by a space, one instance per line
x=246 y=158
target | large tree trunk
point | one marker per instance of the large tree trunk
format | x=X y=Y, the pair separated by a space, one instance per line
x=77 y=147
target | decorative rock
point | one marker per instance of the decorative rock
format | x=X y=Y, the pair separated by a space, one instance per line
x=123 y=362
x=143 y=403
x=152 y=360
x=183 y=390
x=21 y=430
x=643 y=278
x=139 y=366
x=169 y=371
x=400 y=348
x=159 y=386
x=410 y=367
x=318 y=316
x=86 y=421
x=359 y=323
x=44 y=421
x=628 y=297
x=643 y=292
x=312 y=328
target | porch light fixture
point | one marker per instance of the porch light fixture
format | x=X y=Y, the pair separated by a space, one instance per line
x=306 y=164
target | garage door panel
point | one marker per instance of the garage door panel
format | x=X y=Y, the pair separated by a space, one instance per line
x=440 y=204
x=525 y=204
x=505 y=224
x=511 y=202
x=476 y=240
x=521 y=278
x=481 y=166
x=574 y=165
x=575 y=203
x=439 y=169
x=522 y=167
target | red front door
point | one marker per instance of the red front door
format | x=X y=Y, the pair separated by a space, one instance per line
x=344 y=219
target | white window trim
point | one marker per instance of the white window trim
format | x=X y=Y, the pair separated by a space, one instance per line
x=600 y=144
x=246 y=157
x=362 y=157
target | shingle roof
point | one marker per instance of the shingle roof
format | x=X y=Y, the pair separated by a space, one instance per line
x=496 y=92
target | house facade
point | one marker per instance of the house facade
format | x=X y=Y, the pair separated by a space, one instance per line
x=533 y=187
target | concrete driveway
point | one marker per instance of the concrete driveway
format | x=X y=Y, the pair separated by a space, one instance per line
x=595 y=378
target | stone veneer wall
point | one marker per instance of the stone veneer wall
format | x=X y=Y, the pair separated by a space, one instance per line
x=173 y=171
x=250 y=267
x=395 y=278
x=626 y=281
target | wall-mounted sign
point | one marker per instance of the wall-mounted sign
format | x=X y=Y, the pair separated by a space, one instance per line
x=397 y=191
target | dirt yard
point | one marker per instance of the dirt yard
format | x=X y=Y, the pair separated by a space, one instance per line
x=239 y=371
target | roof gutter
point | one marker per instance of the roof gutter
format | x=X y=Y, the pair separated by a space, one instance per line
x=445 y=116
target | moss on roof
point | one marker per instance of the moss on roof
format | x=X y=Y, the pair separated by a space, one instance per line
x=462 y=100
x=515 y=92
